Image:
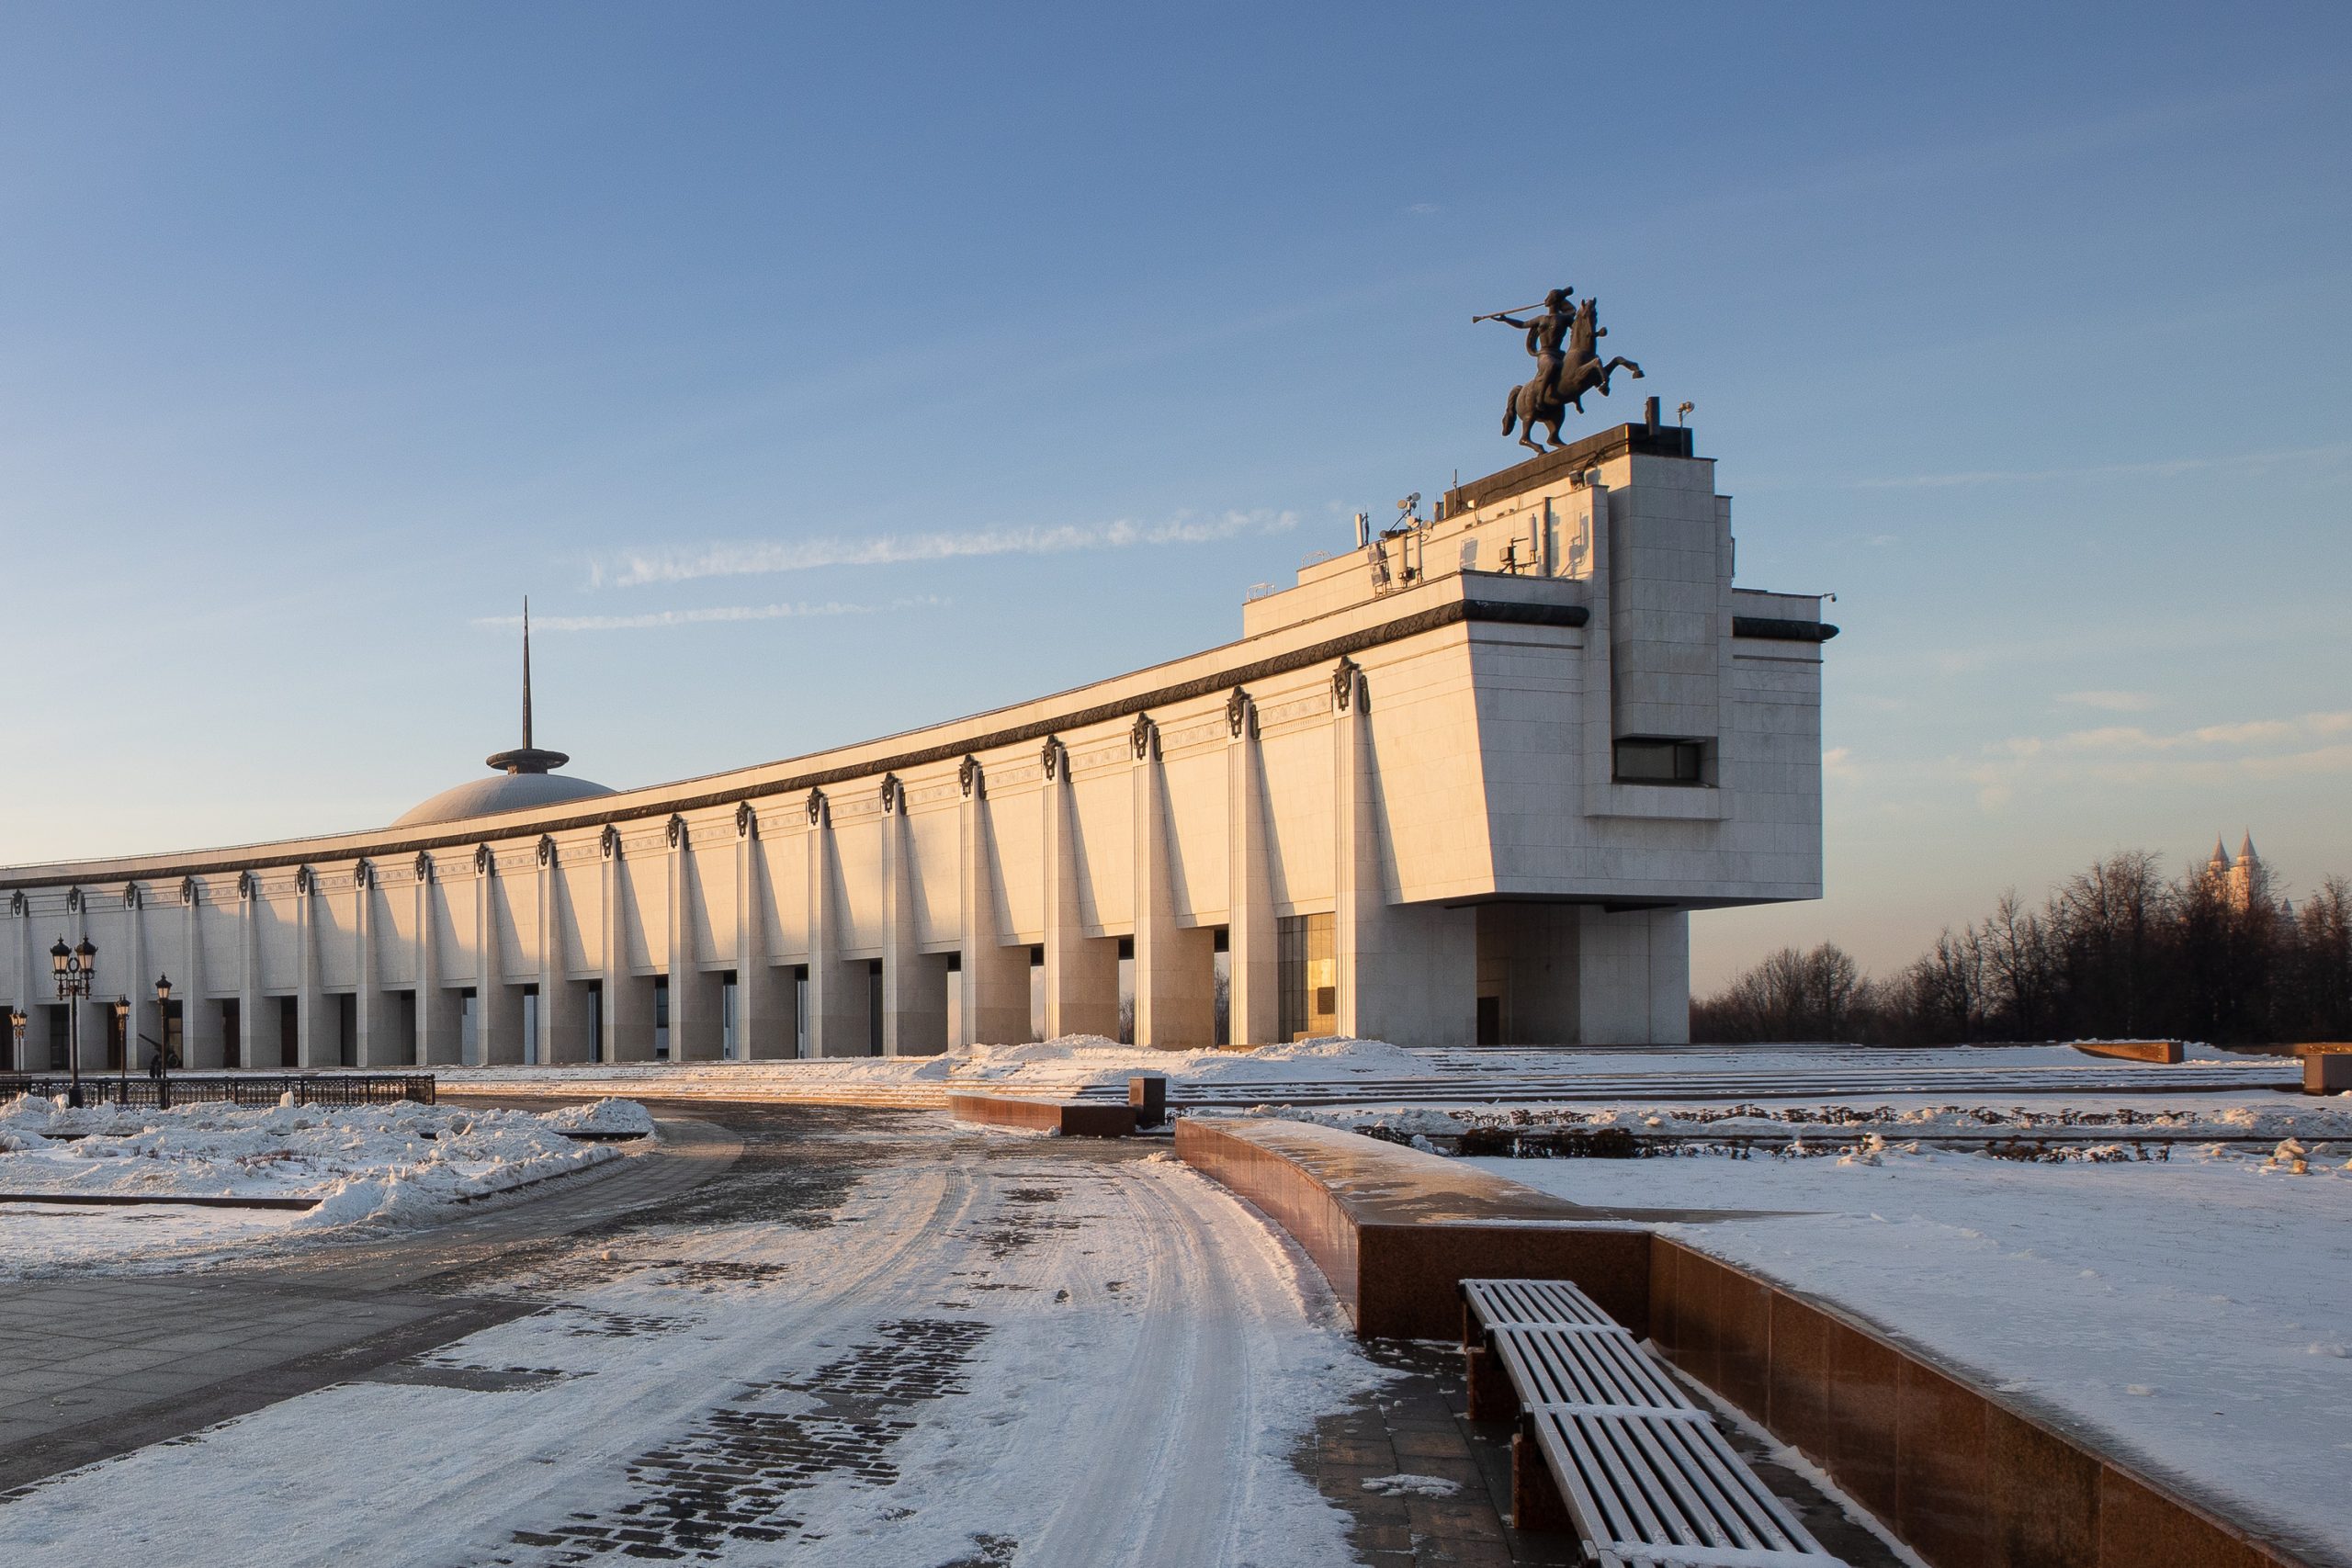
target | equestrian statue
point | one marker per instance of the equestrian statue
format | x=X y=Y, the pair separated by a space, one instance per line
x=1564 y=342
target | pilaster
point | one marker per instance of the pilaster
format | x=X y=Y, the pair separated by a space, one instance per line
x=1175 y=967
x=763 y=1030
x=1081 y=972
x=628 y=1007
x=914 y=1010
x=993 y=977
x=1253 y=1000
x=199 y=1009
x=695 y=1023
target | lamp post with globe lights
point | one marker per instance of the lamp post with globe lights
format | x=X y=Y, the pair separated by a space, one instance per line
x=163 y=1042
x=76 y=967
x=15 y=1022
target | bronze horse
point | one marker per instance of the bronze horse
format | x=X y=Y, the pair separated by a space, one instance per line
x=1535 y=402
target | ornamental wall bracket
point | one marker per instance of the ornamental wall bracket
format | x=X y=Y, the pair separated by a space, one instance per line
x=246 y=887
x=819 y=814
x=609 y=843
x=674 y=832
x=968 y=778
x=547 y=849
x=363 y=876
x=17 y=901
x=302 y=879
x=1056 y=758
x=1143 y=737
x=190 y=892
x=1241 y=714
x=894 y=795
x=484 y=862
x=1345 y=681
x=747 y=821
x=424 y=866
x=130 y=895
x=73 y=900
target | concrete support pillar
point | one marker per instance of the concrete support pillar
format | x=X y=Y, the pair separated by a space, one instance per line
x=914 y=988
x=1175 y=965
x=257 y=1036
x=440 y=1011
x=695 y=1024
x=1081 y=972
x=1358 y=886
x=1254 y=1002
x=498 y=1007
x=137 y=984
x=318 y=1018
x=200 y=1010
x=566 y=1031
x=628 y=1006
x=1634 y=977
x=838 y=1000
x=994 y=976
x=765 y=1029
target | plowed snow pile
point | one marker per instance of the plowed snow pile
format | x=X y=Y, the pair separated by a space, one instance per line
x=376 y=1163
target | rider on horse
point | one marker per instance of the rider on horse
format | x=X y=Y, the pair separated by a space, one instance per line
x=1544 y=335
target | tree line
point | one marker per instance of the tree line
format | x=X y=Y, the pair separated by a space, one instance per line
x=2116 y=951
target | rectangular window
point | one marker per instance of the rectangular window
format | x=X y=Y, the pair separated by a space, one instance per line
x=801 y=1010
x=873 y=1007
x=1307 y=975
x=232 y=1033
x=731 y=1042
x=662 y=1018
x=1642 y=760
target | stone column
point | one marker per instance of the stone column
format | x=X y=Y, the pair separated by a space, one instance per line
x=440 y=1011
x=498 y=1007
x=765 y=1027
x=914 y=991
x=564 y=1029
x=994 y=977
x=1081 y=972
x=628 y=1025
x=694 y=1022
x=1360 y=900
x=258 y=1048
x=1254 y=1002
x=199 y=1009
x=318 y=1017
x=376 y=1015
x=137 y=982
x=1175 y=965
x=837 y=999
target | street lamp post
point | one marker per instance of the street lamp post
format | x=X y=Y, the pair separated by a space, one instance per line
x=163 y=1042
x=76 y=966
x=17 y=1034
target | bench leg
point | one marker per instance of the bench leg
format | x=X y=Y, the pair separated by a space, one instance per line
x=1536 y=1505
x=1488 y=1385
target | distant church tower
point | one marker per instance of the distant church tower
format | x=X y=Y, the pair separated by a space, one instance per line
x=2245 y=880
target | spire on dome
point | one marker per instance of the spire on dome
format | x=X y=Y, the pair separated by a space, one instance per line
x=526 y=758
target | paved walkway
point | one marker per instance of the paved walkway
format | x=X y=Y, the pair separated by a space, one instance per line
x=815 y=1334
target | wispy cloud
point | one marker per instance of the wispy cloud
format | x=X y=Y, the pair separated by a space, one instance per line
x=2331 y=453
x=636 y=568
x=2112 y=702
x=657 y=619
x=2123 y=754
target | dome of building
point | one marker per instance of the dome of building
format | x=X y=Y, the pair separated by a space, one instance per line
x=526 y=776
x=502 y=792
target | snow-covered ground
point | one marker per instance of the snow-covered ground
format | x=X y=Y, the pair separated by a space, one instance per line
x=380 y=1164
x=1060 y=1360
x=2195 y=1313
x=1339 y=1070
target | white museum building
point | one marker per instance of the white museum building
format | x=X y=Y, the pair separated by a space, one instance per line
x=1466 y=782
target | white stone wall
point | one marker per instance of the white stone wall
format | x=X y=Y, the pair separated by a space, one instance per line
x=1429 y=763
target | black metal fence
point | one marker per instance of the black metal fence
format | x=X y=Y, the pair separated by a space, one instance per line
x=234 y=1089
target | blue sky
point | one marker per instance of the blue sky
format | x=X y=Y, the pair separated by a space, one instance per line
x=833 y=371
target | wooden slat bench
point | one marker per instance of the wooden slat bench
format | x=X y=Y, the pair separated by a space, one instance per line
x=1610 y=1445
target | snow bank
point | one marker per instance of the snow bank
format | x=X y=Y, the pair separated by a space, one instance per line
x=612 y=1118
x=377 y=1163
